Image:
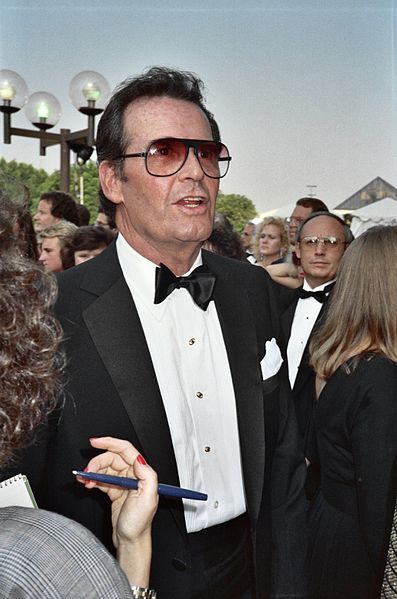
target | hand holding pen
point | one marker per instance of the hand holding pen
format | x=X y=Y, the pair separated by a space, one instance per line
x=132 y=511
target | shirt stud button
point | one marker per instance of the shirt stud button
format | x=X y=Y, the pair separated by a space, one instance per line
x=199 y=395
x=192 y=341
x=207 y=449
x=216 y=504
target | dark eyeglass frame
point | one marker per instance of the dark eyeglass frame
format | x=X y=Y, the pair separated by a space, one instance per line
x=330 y=241
x=188 y=143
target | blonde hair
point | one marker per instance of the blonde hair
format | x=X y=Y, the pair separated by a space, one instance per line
x=362 y=314
x=270 y=220
x=62 y=230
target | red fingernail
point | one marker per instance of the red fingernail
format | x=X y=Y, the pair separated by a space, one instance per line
x=141 y=460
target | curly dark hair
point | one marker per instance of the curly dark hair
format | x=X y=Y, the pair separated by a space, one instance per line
x=31 y=363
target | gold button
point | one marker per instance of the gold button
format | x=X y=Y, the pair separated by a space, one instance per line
x=192 y=341
x=199 y=395
x=216 y=504
x=207 y=449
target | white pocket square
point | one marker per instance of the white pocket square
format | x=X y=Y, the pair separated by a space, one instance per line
x=272 y=360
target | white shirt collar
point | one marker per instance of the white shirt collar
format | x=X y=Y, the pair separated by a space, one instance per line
x=140 y=274
x=307 y=287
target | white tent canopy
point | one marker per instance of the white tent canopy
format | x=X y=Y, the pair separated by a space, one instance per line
x=382 y=212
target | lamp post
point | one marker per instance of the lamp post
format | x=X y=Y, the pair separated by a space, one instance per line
x=88 y=91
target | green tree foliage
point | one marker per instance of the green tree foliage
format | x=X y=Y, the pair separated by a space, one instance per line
x=237 y=208
x=39 y=181
x=35 y=179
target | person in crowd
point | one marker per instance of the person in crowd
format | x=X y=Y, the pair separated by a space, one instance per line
x=354 y=355
x=88 y=242
x=271 y=242
x=194 y=382
x=54 y=207
x=321 y=241
x=303 y=208
x=56 y=253
x=290 y=274
x=84 y=215
x=224 y=240
x=43 y=554
x=247 y=240
x=105 y=220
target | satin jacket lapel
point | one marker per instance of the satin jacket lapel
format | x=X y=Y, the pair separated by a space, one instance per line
x=115 y=328
x=305 y=371
x=241 y=344
x=287 y=318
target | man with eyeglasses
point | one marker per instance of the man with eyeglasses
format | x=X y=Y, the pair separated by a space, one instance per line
x=320 y=243
x=166 y=348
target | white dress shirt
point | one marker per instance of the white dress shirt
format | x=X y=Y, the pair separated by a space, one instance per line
x=192 y=369
x=306 y=314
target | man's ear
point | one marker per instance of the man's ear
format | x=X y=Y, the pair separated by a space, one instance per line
x=110 y=182
x=297 y=249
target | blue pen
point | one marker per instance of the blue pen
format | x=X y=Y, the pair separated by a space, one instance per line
x=132 y=483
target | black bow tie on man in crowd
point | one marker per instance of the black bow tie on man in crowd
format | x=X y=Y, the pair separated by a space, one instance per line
x=200 y=285
x=320 y=296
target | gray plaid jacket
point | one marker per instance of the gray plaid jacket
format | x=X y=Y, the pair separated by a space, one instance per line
x=47 y=556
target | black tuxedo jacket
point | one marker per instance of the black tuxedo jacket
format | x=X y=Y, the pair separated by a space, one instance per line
x=303 y=391
x=111 y=389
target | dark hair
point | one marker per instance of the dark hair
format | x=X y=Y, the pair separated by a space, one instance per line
x=16 y=225
x=315 y=204
x=84 y=215
x=349 y=237
x=111 y=141
x=30 y=363
x=62 y=206
x=110 y=217
x=224 y=240
x=27 y=240
x=91 y=238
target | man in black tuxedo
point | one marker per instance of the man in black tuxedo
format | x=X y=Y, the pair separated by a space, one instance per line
x=320 y=243
x=193 y=381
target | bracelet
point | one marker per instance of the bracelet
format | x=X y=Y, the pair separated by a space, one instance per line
x=143 y=593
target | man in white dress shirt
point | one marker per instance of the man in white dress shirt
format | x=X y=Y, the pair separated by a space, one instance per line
x=176 y=363
x=320 y=244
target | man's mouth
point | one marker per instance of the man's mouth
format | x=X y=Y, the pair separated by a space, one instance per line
x=191 y=202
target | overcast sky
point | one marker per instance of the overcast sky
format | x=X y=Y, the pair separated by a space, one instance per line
x=304 y=91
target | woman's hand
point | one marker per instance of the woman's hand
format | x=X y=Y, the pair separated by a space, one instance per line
x=132 y=511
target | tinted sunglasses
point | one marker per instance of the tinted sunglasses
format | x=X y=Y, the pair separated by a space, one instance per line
x=165 y=157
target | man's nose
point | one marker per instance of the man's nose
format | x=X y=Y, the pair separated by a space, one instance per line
x=320 y=246
x=192 y=167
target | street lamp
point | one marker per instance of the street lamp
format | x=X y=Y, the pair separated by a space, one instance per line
x=89 y=92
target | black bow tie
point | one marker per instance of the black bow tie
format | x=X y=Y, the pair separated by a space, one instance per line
x=200 y=285
x=320 y=296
